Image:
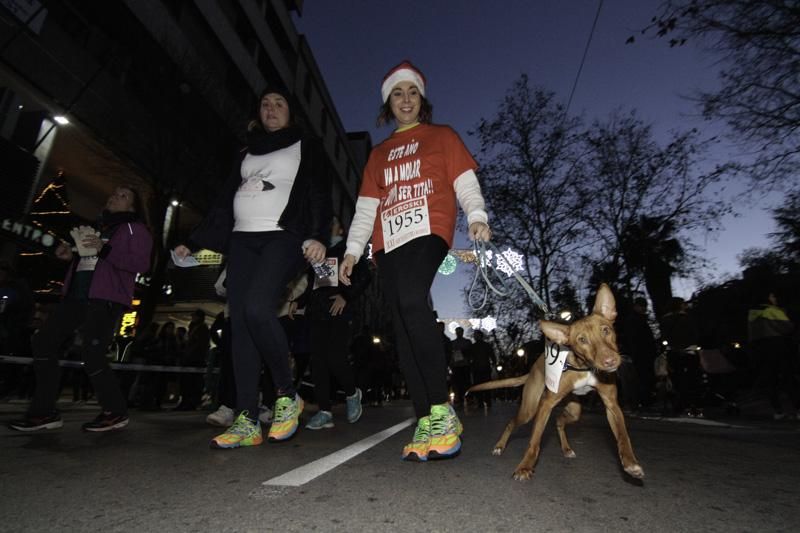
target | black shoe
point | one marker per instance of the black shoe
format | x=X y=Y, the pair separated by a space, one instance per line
x=106 y=422
x=35 y=423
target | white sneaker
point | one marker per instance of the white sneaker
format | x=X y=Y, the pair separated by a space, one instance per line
x=222 y=417
x=265 y=416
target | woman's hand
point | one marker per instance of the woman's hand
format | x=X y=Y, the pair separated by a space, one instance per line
x=93 y=241
x=64 y=251
x=182 y=251
x=479 y=231
x=292 y=310
x=338 y=305
x=346 y=269
x=314 y=251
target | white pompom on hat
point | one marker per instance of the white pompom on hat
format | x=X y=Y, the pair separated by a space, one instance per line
x=405 y=71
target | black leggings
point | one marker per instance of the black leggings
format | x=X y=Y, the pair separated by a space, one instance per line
x=95 y=320
x=329 y=346
x=406 y=275
x=260 y=266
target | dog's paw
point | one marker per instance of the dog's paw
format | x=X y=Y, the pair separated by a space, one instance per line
x=569 y=453
x=497 y=451
x=635 y=471
x=523 y=474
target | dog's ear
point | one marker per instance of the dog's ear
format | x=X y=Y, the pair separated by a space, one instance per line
x=604 y=303
x=558 y=333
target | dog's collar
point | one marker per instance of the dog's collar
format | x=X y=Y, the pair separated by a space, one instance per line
x=568 y=367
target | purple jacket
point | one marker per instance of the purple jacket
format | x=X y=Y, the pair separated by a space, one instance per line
x=125 y=254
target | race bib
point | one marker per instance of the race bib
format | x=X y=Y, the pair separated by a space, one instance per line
x=555 y=356
x=405 y=221
x=332 y=271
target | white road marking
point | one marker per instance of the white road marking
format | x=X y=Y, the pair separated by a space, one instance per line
x=304 y=474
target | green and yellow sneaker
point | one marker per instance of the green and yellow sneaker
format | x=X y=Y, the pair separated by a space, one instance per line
x=445 y=431
x=287 y=415
x=243 y=432
x=417 y=449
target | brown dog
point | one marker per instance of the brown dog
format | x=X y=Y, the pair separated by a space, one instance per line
x=592 y=360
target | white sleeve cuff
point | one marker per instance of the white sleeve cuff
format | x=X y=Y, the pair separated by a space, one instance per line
x=361 y=226
x=468 y=193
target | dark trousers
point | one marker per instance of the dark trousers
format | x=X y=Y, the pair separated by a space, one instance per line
x=95 y=320
x=260 y=266
x=777 y=361
x=482 y=375
x=330 y=339
x=406 y=275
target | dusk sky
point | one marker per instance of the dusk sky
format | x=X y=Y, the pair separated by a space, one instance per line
x=471 y=51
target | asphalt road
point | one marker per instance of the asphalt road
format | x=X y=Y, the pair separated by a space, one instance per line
x=159 y=475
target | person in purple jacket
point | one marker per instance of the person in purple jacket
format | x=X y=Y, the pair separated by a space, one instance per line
x=98 y=288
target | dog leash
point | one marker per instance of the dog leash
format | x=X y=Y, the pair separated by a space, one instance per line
x=481 y=250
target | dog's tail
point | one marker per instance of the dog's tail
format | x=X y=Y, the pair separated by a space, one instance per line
x=499 y=384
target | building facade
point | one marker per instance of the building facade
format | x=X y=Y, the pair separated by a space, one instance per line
x=155 y=93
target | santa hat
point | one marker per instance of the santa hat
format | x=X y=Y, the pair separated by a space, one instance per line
x=405 y=71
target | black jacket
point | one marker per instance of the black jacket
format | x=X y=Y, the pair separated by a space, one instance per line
x=307 y=215
x=318 y=302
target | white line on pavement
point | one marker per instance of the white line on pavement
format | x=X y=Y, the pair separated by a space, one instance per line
x=304 y=474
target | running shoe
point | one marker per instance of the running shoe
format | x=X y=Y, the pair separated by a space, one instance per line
x=445 y=431
x=354 y=406
x=286 y=418
x=243 y=432
x=106 y=421
x=321 y=420
x=36 y=423
x=264 y=414
x=417 y=449
x=222 y=417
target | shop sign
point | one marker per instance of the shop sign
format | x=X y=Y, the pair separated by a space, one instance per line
x=27 y=232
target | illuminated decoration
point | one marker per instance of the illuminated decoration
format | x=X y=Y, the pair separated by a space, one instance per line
x=128 y=323
x=451 y=327
x=510 y=262
x=465 y=256
x=487 y=324
x=207 y=257
x=448 y=266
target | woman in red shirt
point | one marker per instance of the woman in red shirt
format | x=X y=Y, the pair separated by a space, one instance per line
x=407 y=204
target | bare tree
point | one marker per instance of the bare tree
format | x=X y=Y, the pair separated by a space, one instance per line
x=641 y=192
x=759 y=96
x=529 y=167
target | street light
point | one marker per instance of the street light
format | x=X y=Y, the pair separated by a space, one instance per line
x=61 y=119
x=520 y=352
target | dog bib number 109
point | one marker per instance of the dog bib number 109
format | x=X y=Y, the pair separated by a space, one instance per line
x=404 y=222
x=555 y=356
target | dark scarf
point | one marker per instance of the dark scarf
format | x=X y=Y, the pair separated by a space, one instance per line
x=260 y=142
x=108 y=221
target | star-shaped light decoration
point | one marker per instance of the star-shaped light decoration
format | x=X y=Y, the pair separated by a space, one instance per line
x=510 y=262
x=448 y=266
x=489 y=323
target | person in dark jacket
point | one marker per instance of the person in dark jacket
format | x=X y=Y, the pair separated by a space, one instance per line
x=97 y=290
x=330 y=310
x=195 y=355
x=273 y=215
x=770 y=334
x=481 y=360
